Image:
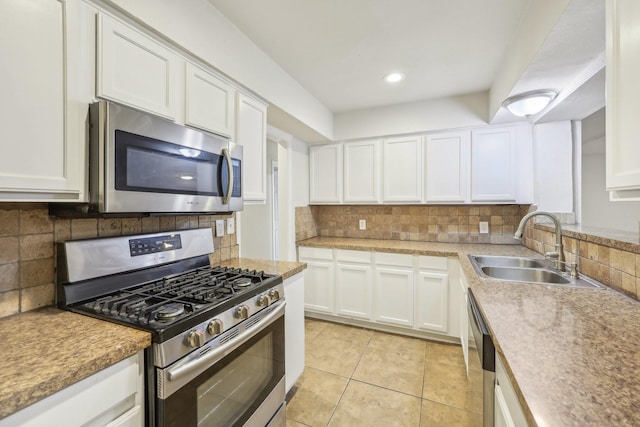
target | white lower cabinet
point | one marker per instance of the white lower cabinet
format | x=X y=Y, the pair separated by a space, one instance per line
x=464 y=318
x=507 y=409
x=113 y=397
x=319 y=279
x=353 y=284
x=410 y=292
x=294 y=329
x=432 y=294
x=394 y=295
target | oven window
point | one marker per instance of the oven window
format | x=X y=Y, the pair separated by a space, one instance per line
x=150 y=165
x=230 y=391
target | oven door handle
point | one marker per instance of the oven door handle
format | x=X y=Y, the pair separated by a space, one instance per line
x=212 y=357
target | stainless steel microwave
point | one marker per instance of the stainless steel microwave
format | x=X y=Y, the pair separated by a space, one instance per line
x=139 y=163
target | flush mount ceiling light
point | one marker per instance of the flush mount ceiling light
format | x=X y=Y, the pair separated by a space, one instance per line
x=529 y=103
x=393 y=77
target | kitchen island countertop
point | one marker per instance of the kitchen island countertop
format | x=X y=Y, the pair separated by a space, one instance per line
x=573 y=355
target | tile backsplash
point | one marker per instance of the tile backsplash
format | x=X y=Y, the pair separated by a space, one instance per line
x=452 y=224
x=613 y=262
x=27 y=247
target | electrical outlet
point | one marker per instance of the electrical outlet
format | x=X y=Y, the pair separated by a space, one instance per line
x=484 y=227
x=231 y=226
x=363 y=224
x=219 y=227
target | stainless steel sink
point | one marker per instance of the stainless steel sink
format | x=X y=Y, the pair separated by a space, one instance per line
x=527 y=270
x=535 y=275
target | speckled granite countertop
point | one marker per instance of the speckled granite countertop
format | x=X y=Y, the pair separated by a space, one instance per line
x=46 y=350
x=285 y=269
x=573 y=354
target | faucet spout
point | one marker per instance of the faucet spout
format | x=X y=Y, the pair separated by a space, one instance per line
x=560 y=252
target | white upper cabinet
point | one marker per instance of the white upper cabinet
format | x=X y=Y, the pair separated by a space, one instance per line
x=325 y=173
x=493 y=165
x=38 y=161
x=209 y=103
x=447 y=167
x=623 y=92
x=402 y=174
x=135 y=70
x=251 y=133
x=362 y=172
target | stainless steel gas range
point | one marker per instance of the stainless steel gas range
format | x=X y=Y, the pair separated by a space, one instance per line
x=217 y=354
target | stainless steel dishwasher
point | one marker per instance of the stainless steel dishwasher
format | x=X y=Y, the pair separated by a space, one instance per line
x=486 y=353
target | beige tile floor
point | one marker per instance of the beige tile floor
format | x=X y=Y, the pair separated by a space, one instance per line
x=360 y=377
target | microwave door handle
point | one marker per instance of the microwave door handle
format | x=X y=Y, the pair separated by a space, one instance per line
x=227 y=158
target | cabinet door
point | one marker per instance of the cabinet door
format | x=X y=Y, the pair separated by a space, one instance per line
x=251 y=133
x=113 y=396
x=623 y=92
x=394 y=296
x=432 y=301
x=209 y=102
x=294 y=329
x=447 y=167
x=464 y=320
x=402 y=176
x=36 y=159
x=353 y=287
x=325 y=173
x=134 y=69
x=362 y=172
x=318 y=286
x=493 y=165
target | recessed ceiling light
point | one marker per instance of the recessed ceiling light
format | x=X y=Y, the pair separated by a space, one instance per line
x=393 y=77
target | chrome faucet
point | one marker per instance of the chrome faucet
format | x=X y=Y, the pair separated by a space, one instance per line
x=558 y=254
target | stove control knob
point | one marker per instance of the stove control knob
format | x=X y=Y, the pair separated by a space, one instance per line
x=242 y=312
x=274 y=294
x=195 y=339
x=215 y=327
x=264 y=301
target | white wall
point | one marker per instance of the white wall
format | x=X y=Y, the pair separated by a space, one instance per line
x=423 y=116
x=553 y=167
x=256 y=219
x=597 y=210
x=201 y=29
x=299 y=160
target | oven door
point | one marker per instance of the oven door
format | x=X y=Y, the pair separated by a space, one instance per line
x=239 y=383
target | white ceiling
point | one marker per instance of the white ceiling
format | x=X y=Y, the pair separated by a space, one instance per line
x=339 y=50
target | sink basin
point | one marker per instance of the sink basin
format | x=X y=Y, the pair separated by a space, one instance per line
x=527 y=270
x=535 y=275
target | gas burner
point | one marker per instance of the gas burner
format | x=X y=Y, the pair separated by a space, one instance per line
x=169 y=311
x=242 y=282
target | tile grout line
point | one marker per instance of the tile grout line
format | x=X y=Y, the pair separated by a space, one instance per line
x=348 y=382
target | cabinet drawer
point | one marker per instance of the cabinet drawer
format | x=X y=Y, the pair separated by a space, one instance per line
x=353 y=256
x=400 y=260
x=315 y=253
x=432 y=262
